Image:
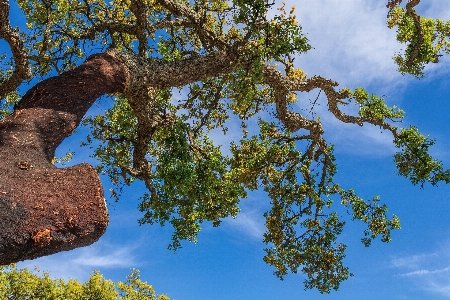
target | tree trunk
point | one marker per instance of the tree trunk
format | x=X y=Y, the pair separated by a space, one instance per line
x=43 y=209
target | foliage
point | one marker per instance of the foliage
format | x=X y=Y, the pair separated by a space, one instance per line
x=63 y=160
x=415 y=162
x=426 y=40
x=24 y=284
x=192 y=179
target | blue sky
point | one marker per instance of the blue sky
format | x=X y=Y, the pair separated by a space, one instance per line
x=353 y=46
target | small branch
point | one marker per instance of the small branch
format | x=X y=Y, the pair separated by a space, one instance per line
x=196 y=20
x=89 y=34
x=138 y=8
x=411 y=12
x=22 y=70
x=292 y=120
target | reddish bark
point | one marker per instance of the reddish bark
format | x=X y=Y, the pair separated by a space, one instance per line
x=43 y=209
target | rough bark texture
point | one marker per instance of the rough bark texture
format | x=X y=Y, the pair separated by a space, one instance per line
x=43 y=209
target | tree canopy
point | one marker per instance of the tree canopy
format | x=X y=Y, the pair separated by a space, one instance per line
x=24 y=284
x=192 y=69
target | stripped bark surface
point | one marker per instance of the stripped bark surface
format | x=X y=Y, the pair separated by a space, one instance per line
x=43 y=209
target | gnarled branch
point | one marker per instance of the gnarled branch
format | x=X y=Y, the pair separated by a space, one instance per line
x=410 y=11
x=22 y=70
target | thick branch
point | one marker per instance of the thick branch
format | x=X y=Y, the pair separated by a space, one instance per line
x=47 y=197
x=72 y=93
x=44 y=210
x=161 y=73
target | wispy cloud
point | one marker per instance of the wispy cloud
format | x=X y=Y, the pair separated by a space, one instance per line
x=351 y=42
x=79 y=263
x=427 y=271
x=250 y=224
x=412 y=261
x=105 y=257
x=440 y=289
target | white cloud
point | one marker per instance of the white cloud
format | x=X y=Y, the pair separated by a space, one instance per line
x=94 y=257
x=412 y=261
x=434 y=9
x=250 y=224
x=79 y=263
x=428 y=271
x=351 y=41
x=352 y=46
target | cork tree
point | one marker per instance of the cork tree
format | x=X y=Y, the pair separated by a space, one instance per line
x=175 y=71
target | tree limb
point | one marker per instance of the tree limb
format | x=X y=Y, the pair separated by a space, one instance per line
x=22 y=70
x=43 y=209
x=410 y=11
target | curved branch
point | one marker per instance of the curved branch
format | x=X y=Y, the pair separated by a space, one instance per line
x=22 y=70
x=411 y=12
x=294 y=121
x=43 y=209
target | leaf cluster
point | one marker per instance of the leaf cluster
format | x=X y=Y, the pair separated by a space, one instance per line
x=374 y=107
x=414 y=161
